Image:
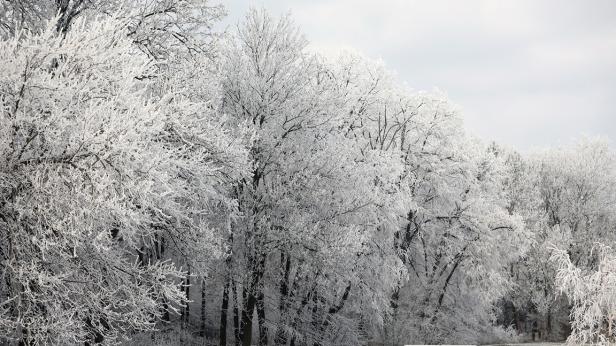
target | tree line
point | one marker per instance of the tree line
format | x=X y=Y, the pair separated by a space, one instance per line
x=164 y=182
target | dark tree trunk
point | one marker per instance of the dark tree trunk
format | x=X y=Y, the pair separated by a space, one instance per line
x=304 y=303
x=250 y=295
x=223 y=314
x=203 y=296
x=236 y=314
x=261 y=319
x=142 y=255
x=246 y=322
x=281 y=335
x=336 y=308
x=166 y=316
x=548 y=325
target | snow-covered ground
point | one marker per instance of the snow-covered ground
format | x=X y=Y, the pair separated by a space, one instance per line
x=533 y=344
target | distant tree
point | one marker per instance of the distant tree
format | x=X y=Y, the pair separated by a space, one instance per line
x=566 y=197
x=452 y=208
x=592 y=293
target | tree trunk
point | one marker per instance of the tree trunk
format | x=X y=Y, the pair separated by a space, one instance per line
x=548 y=325
x=304 y=303
x=250 y=298
x=246 y=322
x=236 y=314
x=166 y=316
x=261 y=319
x=281 y=335
x=203 y=296
x=336 y=308
x=187 y=302
x=223 y=314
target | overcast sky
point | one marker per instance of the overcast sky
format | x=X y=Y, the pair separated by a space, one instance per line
x=527 y=73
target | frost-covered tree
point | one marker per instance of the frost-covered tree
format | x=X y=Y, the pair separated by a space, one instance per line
x=592 y=293
x=158 y=27
x=318 y=203
x=566 y=198
x=151 y=166
x=94 y=169
x=455 y=235
x=458 y=240
x=179 y=35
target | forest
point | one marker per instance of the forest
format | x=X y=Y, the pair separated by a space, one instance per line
x=163 y=182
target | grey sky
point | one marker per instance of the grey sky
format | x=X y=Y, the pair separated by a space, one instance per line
x=526 y=73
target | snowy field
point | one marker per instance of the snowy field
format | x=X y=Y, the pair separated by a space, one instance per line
x=533 y=344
